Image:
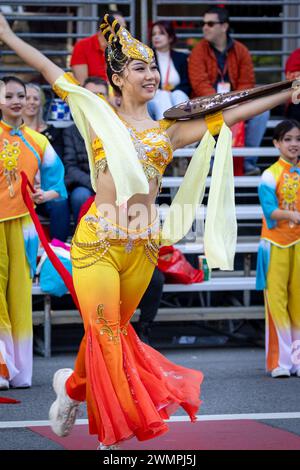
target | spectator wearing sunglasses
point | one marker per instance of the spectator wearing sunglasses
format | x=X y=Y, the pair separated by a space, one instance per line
x=219 y=64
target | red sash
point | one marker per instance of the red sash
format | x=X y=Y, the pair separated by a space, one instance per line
x=62 y=271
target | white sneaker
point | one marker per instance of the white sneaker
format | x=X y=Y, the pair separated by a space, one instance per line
x=63 y=411
x=280 y=372
x=297 y=373
x=4 y=383
x=104 y=447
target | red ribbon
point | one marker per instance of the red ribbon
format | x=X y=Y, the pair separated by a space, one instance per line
x=62 y=271
x=8 y=401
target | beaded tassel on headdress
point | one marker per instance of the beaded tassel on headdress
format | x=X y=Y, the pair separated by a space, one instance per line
x=121 y=46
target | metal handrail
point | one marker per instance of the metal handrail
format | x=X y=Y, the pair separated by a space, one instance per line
x=285 y=37
x=62 y=17
x=67 y=37
x=228 y=2
x=241 y=19
x=244 y=36
x=68 y=3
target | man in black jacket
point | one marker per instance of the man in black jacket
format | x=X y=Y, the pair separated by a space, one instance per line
x=77 y=172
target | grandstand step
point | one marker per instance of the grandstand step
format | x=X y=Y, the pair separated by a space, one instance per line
x=63 y=317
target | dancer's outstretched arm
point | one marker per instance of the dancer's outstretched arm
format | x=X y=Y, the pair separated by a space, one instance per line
x=186 y=132
x=29 y=54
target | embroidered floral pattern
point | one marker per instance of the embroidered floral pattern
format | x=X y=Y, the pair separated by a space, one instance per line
x=106 y=230
x=106 y=329
x=153 y=148
x=289 y=190
x=9 y=157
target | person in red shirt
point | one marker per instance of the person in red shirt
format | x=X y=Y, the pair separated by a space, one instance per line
x=292 y=72
x=88 y=55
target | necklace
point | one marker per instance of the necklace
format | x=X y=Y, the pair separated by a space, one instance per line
x=135 y=119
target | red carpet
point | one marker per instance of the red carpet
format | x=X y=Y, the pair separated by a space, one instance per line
x=202 y=435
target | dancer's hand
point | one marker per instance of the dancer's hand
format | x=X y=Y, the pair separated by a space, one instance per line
x=4 y=28
x=295 y=91
x=39 y=196
x=294 y=217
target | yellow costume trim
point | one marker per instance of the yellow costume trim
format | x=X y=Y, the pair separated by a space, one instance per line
x=121 y=46
x=214 y=122
x=105 y=328
x=153 y=148
x=133 y=48
x=10 y=155
x=63 y=94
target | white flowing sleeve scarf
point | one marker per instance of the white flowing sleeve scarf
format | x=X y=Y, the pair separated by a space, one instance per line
x=220 y=232
x=88 y=110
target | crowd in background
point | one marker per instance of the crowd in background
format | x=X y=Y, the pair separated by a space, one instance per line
x=217 y=64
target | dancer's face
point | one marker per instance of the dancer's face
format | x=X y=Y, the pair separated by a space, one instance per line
x=12 y=102
x=289 y=145
x=33 y=102
x=139 y=80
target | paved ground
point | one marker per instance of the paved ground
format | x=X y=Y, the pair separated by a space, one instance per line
x=235 y=384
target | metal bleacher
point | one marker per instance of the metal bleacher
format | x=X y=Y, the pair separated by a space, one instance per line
x=54 y=27
x=270 y=29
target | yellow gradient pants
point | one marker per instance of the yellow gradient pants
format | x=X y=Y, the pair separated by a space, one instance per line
x=130 y=388
x=15 y=305
x=282 y=308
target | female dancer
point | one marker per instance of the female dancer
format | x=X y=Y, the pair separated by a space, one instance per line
x=278 y=260
x=129 y=387
x=22 y=149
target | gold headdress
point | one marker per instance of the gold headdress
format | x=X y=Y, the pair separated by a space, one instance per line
x=121 y=46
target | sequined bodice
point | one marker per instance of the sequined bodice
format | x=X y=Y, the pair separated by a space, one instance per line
x=152 y=145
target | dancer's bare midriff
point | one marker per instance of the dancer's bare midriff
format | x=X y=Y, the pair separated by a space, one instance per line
x=140 y=210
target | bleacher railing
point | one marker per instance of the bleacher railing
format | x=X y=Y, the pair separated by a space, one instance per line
x=270 y=29
x=55 y=26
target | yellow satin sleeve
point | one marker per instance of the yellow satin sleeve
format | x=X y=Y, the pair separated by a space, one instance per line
x=214 y=122
x=63 y=93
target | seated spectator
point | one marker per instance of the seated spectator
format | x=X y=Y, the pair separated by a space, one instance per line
x=219 y=64
x=22 y=150
x=33 y=117
x=149 y=305
x=88 y=58
x=174 y=85
x=292 y=72
x=57 y=211
x=75 y=156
